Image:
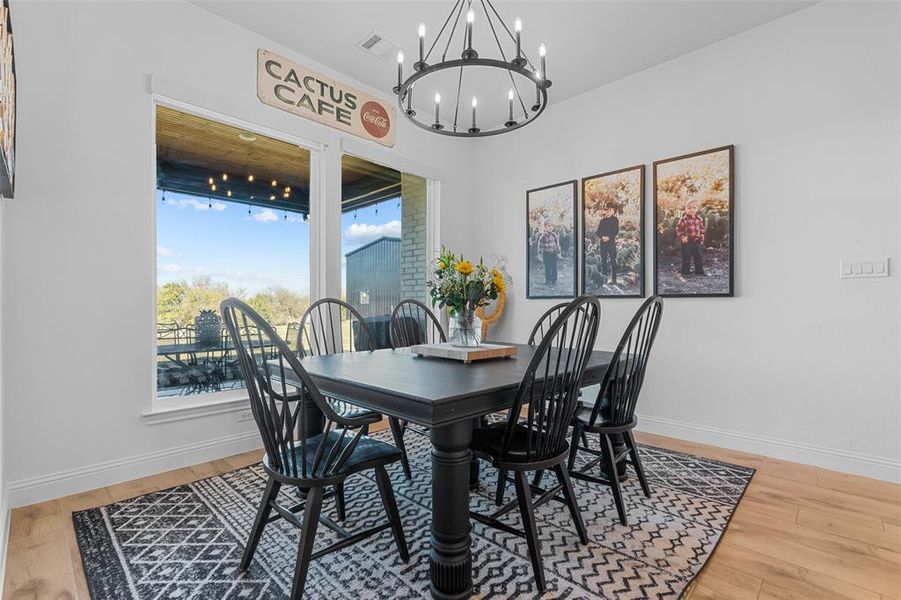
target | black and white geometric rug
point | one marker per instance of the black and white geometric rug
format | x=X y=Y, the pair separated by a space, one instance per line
x=186 y=542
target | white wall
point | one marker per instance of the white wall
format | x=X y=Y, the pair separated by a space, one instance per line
x=79 y=276
x=799 y=364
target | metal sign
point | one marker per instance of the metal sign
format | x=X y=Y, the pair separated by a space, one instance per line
x=296 y=89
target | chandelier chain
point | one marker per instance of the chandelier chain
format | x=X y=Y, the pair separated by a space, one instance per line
x=504 y=56
x=450 y=38
x=443 y=27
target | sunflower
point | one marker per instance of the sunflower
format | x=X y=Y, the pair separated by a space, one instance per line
x=464 y=267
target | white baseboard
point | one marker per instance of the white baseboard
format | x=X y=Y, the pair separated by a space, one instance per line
x=74 y=481
x=877 y=467
x=5 y=513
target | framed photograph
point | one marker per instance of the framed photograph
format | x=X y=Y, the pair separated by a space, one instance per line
x=551 y=241
x=613 y=234
x=694 y=225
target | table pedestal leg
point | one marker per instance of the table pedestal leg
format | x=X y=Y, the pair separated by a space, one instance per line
x=619 y=445
x=450 y=561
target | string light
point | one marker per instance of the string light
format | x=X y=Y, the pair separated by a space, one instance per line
x=274 y=183
x=211 y=181
x=250 y=177
x=225 y=177
x=213 y=187
x=229 y=193
x=272 y=198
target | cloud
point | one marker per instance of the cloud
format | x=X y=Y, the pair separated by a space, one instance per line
x=363 y=233
x=171 y=268
x=267 y=215
x=197 y=204
x=162 y=251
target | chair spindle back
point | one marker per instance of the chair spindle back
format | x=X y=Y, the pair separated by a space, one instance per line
x=624 y=377
x=332 y=326
x=550 y=386
x=278 y=409
x=544 y=322
x=413 y=323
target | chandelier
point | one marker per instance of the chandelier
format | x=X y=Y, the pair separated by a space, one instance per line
x=526 y=93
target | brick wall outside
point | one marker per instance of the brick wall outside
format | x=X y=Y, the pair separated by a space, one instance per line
x=413 y=235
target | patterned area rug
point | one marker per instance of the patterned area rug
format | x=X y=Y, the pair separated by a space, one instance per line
x=186 y=542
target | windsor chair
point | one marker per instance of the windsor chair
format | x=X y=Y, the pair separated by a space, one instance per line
x=550 y=392
x=614 y=410
x=309 y=462
x=332 y=326
x=412 y=323
x=542 y=325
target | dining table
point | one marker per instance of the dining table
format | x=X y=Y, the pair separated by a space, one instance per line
x=449 y=398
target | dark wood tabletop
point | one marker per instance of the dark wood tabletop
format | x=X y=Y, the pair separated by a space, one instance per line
x=429 y=391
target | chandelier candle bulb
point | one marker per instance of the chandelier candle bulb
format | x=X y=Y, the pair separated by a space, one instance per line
x=422 y=42
x=400 y=71
x=517 y=27
x=470 y=18
x=510 y=122
x=437 y=124
x=542 y=53
x=474 y=128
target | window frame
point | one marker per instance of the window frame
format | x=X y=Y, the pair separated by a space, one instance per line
x=324 y=219
x=172 y=408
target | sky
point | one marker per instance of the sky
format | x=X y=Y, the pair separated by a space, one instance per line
x=253 y=251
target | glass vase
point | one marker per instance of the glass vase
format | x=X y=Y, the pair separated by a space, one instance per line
x=466 y=329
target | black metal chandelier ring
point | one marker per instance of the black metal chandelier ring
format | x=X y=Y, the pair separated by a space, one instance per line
x=424 y=71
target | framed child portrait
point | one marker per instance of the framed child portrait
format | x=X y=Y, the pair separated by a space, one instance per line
x=551 y=241
x=694 y=224
x=613 y=234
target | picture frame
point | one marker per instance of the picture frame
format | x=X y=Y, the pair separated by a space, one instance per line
x=614 y=201
x=690 y=260
x=551 y=223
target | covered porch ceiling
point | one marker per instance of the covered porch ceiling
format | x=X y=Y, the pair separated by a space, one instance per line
x=209 y=159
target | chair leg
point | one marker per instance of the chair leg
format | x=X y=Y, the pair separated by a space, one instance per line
x=307 y=537
x=259 y=523
x=636 y=463
x=397 y=527
x=524 y=497
x=398 y=434
x=584 y=439
x=613 y=479
x=574 y=446
x=570 y=496
x=501 y=485
x=539 y=475
x=339 y=502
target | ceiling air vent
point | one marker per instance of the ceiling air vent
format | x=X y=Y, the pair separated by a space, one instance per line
x=378 y=46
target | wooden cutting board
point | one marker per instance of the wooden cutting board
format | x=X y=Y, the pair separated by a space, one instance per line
x=466 y=355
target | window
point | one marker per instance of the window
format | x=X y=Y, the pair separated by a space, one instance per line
x=384 y=240
x=232 y=220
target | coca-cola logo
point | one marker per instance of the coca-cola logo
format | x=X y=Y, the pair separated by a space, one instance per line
x=375 y=119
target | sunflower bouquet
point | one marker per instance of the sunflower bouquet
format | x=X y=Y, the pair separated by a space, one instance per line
x=461 y=286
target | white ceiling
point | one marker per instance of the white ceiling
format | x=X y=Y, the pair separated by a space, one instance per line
x=588 y=43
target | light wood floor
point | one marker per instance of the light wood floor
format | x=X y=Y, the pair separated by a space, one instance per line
x=799 y=533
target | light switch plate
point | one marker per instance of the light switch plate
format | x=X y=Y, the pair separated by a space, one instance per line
x=858 y=268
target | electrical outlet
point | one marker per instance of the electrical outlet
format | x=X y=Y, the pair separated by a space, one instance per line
x=857 y=268
x=245 y=416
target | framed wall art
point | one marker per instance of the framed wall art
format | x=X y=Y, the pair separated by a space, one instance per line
x=694 y=224
x=551 y=241
x=613 y=234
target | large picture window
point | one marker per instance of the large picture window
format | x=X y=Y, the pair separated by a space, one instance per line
x=233 y=212
x=383 y=241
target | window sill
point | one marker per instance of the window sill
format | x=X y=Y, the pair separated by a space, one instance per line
x=182 y=411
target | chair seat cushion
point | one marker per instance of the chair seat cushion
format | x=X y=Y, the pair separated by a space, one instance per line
x=487 y=441
x=583 y=415
x=368 y=453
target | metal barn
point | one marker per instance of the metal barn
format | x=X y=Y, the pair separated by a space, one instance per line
x=373 y=277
